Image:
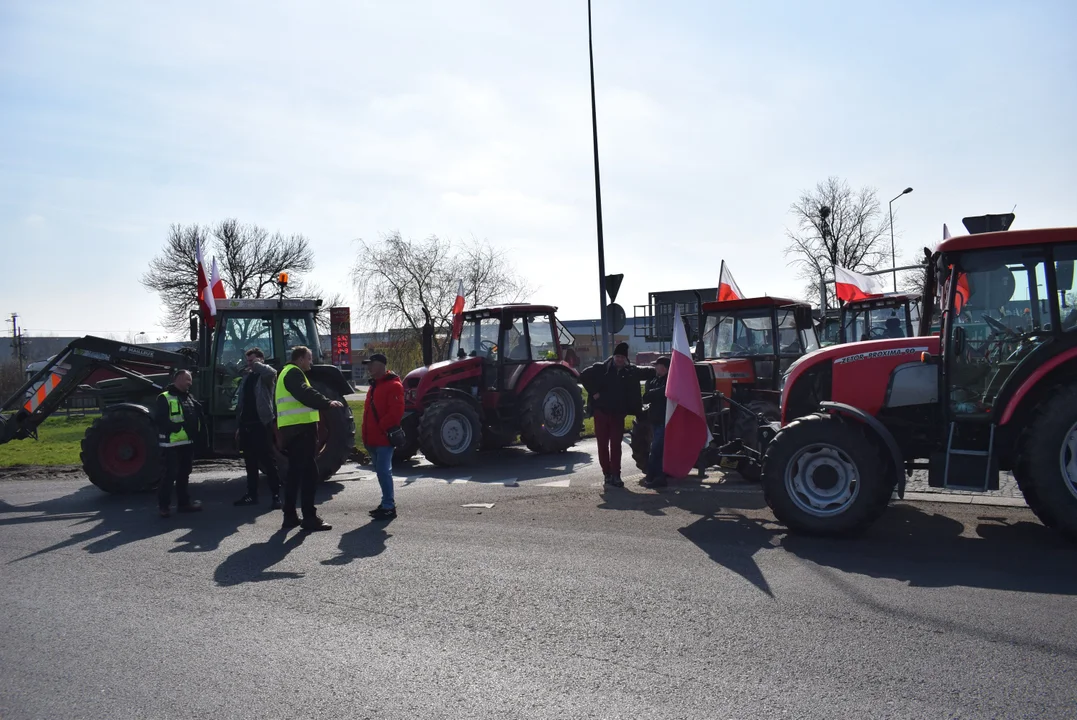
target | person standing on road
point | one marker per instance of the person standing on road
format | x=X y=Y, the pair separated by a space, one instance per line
x=382 y=414
x=298 y=406
x=254 y=416
x=654 y=397
x=613 y=389
x=176 y=415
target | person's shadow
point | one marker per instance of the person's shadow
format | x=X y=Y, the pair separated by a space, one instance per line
x=252 y=563
x=364 y=541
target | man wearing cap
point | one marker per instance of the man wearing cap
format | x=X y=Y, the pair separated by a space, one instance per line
x=654 y=397
x=298 y=406
x=613 y=390
x=382 y=413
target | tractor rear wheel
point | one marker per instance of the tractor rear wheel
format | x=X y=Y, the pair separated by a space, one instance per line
x=641 y=443
x=336 y=437
x=1047 y=465
x=450 y=432
x=822 y=475
x=551 y=413
x=119 y=452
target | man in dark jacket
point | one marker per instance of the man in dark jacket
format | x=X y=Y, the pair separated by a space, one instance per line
x=254 y=415
x=382 y=413
x=655 y=399
x=298 y=407
x=613 y=389
x=176 y=415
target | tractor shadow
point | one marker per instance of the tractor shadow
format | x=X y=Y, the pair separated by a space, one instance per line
x=496 y=467
x=98 y=522
x=917 y=544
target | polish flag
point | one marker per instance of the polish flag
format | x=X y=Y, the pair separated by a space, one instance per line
x=686 y=422
x=854 y=286
x=727 y=286
x=205 y=299
x=216 y=286
x=458 y=311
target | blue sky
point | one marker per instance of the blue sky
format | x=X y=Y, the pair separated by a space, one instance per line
x=343 y=120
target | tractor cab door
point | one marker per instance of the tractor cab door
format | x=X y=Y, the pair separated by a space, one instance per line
x=517 y=353
x=236 y=334
x=998 y=314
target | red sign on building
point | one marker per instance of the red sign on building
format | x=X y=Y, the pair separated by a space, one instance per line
x=341 y=324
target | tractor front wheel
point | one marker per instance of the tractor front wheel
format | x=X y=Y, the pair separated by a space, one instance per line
x=1047 y=465
x=450 y=432
x=119 y=452
x=822 y=475
x=551 y=413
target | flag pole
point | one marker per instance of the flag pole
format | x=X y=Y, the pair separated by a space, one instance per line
x=598 y=197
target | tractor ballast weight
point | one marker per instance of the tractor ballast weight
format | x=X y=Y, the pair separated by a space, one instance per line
x=119 y=450
x=994 y=390
x=505 y=376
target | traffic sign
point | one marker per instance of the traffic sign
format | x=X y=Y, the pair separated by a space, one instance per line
x=613 y=284
x=615 y=314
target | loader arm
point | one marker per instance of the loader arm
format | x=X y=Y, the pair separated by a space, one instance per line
x=23 y=412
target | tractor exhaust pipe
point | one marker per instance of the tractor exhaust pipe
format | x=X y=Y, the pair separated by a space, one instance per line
x=700 y=350
x=428 y=340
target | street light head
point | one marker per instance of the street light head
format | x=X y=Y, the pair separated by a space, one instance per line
x=907 y=191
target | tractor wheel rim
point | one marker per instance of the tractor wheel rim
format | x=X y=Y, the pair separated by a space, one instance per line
x=1067 y=458
x=558 y=412
x=822 y=480
x=456 y=433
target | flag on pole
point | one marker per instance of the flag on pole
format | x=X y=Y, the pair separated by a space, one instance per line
x=216 y=287
x=727 y=286
x=458 y=311
x=205 y=299
x=854 y=286
x=686 y=422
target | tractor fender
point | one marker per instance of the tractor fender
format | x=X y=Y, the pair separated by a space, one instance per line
x=538 y=368
x=452 y=394
x=331 y=376
x=128 y=406
x=854 y=413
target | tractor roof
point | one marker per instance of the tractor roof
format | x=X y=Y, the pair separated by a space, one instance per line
x=1008 y=238
x=884 y=300
x=511 y=309
x=241 y=304
x=750 y=304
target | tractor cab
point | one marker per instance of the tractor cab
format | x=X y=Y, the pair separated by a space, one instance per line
x=894 y=315
x=750 y=343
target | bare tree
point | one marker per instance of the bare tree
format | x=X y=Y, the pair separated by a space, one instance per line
x=836 y=225
x=249 y=259
x=400 y=280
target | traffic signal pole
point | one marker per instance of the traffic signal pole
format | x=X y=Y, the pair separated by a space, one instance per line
x=598 y=198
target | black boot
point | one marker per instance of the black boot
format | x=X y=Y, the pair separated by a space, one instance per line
x=291 y=520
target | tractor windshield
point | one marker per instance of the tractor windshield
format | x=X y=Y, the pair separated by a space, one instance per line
x=876 y=323
x=478 y=338
x=739 y=334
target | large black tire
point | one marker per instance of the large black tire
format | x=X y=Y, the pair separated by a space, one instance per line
x=824 y=475
x=551 y=412
x=406 y=452
x=450 y=433
x=1047 y=463
x=641 y=443
x=119 y=452
x=336 y=437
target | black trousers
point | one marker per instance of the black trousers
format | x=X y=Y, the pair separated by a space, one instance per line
x=300 y=448
x=177 y=462
x=254 y=440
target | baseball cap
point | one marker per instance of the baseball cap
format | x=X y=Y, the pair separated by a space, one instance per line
x=376 y=357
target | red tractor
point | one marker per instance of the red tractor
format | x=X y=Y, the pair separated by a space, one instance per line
x=888 y=316
x=745 y=348
x=857 y=418
x=505 y=376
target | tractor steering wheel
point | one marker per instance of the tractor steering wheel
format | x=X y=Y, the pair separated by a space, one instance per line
x=997 y=326
x=488 y=346
x=877 y=333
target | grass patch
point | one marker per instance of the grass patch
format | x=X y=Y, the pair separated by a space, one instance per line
x=59 y=442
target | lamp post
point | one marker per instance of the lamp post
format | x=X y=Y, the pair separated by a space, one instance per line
x=824 y=229
x=598 y=196
x=893 y=254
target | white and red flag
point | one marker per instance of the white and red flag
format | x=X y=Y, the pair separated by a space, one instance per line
x=727 y=286
x=205 y=299
x=216 y=286
x=458 y=311
x=686 y=422
x=854 y=286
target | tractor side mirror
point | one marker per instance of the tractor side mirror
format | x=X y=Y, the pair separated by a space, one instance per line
x=194 y=327
x=1064 y=274
x=960 y=341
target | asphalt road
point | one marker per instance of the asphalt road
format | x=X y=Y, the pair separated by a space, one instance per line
x=560 y=601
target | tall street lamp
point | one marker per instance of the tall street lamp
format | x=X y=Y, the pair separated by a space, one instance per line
x=893 y=254
x=598 y=197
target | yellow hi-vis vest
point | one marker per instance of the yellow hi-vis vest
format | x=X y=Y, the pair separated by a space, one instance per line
x=175 y=414
x=289 y=410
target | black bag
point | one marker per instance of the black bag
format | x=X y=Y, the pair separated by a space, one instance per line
x=396 y=435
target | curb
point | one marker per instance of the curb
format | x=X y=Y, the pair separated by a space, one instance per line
x=964 y=499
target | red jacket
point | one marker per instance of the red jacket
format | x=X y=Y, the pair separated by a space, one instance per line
x=388 y=395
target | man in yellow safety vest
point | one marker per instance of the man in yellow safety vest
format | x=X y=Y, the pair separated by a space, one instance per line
x=176 y=415
x=298 y=406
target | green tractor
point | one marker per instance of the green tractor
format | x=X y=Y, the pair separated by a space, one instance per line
x=119 y=451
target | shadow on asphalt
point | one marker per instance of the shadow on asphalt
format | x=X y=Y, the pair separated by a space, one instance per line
x=103 y=522
x=910 y=543
x=511 y=462
x=362 y=542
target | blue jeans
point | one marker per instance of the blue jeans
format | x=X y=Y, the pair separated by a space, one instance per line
x=654 y=461
x=383 y=465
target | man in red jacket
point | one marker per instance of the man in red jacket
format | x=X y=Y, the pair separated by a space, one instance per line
x=382 y=413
